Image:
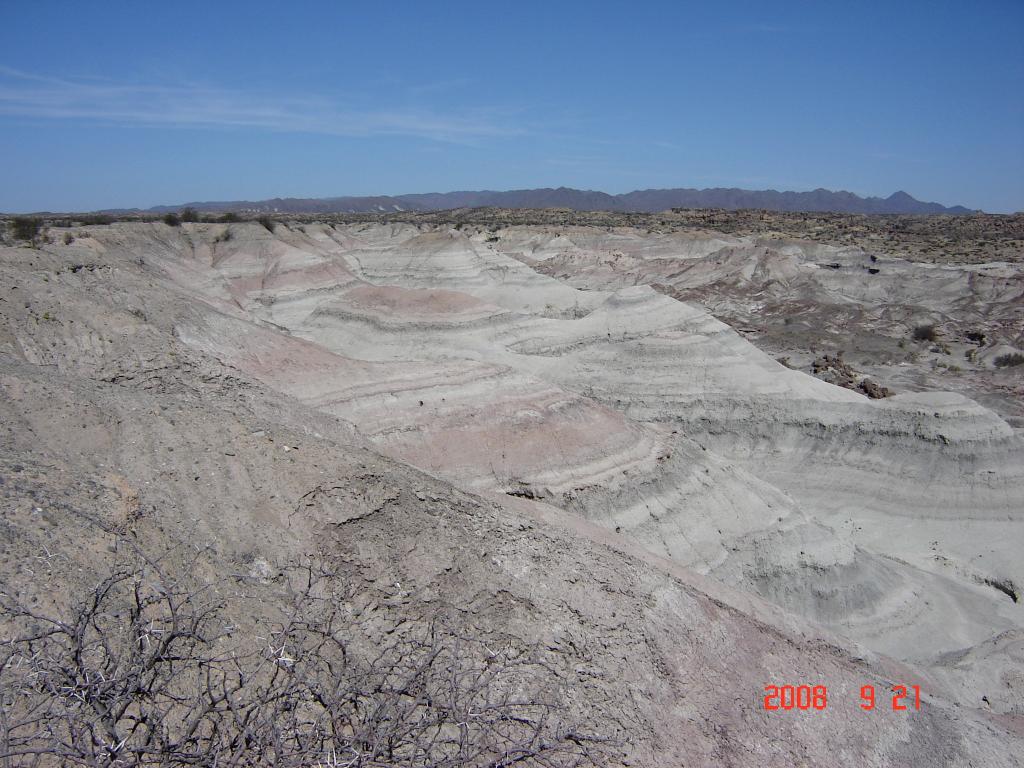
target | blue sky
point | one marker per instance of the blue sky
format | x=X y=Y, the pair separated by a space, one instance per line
x=119 y=104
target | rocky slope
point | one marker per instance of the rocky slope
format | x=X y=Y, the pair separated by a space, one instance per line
x=506 y=431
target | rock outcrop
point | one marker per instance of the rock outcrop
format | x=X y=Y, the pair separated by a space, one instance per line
x=532 y=439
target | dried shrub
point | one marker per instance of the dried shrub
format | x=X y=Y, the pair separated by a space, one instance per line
x=147 y=670
x=926 y=332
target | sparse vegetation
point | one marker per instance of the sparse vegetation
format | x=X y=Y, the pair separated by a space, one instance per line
x=268 y=223
x=149 y=669
x=190 y=215
x=97 y=218
x=1009 y=360
x=915 y=237
x=978 y=337
x=926 y=332
x=172 y=220
x=26 y=228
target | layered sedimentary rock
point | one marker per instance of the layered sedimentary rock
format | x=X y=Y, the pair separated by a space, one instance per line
x=530 y=367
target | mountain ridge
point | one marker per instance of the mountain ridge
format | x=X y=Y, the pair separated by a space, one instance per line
x=637 y=201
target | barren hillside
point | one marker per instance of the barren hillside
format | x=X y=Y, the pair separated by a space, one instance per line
x=574 y=440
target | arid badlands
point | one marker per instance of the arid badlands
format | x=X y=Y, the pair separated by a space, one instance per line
x=644 y=468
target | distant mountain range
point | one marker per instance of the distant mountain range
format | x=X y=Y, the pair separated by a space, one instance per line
x=640 y=201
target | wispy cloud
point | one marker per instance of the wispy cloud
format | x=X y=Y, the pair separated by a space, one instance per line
x=32 y=95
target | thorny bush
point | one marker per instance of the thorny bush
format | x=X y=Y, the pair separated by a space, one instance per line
x=147 y=670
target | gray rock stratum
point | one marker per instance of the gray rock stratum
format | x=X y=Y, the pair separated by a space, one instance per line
x=522 y=432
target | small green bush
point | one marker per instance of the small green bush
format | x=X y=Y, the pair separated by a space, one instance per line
x=26 y=228
x=1008 y=360
x=172 y=220
x=97 y=218
x=229 y=218
x=927 y=332
x=190 y=215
